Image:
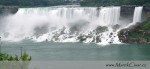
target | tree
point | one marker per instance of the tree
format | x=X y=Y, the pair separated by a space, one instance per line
x=114 y=2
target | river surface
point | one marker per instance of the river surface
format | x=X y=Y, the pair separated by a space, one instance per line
x=49 y=51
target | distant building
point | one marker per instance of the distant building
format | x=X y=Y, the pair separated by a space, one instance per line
x=73 y=2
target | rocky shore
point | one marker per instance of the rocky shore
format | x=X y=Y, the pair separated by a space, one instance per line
x=135 y=34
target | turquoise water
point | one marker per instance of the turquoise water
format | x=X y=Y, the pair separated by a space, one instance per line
x=79 y=51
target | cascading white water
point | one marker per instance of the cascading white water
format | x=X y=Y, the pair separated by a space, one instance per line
x=137 y=16
x=64 y=24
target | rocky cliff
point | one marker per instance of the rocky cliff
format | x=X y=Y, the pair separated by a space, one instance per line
x=127 y=13
x=8 y=9
x=135 y=34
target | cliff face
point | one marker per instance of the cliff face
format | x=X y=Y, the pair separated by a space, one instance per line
x=127 y=13
x=146 y=12
x=8 y=9
x=137 y=34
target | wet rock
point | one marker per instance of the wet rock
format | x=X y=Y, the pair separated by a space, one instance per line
x=39 y=30
x=101 y=29
x=115 y=27
x=81 y=38
x=98 y=39
x=143 y=41
x=77 y=25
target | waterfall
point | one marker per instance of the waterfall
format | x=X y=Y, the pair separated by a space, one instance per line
x=137 y=14
x=65 y=24
x=110 y=16
x=136 y=17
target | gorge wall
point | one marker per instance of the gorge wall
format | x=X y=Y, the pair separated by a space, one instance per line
x=8 y=9
x=127 y=13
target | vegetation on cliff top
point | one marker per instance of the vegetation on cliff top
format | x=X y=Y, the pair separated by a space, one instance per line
x=29 y=3
x=115 y=2
x=32 y=3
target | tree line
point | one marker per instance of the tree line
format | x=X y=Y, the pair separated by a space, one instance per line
x=115 y=2
x=26 y=3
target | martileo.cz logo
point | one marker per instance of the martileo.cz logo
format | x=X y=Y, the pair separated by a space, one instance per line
x=127 y=64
